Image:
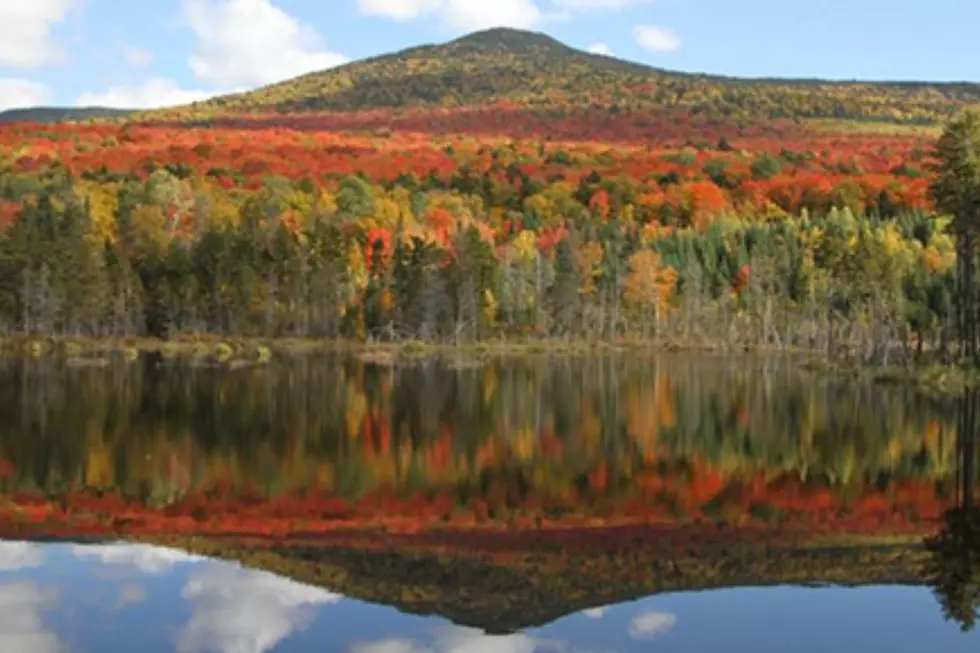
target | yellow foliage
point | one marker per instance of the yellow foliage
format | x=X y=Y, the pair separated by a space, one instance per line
x=648 y=281
x=356 y=409
x=525 y=245
x=326 y=202
x=589 y=257
x=148 y=227
x=103 y=204
x=490 y=306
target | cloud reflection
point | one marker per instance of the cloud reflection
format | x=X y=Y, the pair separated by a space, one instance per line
x=456 y=639
x=648 y=625
x=131 y=595
x=238 y=610
x=15 y=556
x=147 y=559
x=21 y=627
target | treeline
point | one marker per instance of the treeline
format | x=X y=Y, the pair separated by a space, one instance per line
x=146 y=258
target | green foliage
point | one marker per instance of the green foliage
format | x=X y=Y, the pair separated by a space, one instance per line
x=511 y=66
x=956 y=185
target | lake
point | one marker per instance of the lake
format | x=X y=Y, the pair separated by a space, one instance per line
x=574 y=505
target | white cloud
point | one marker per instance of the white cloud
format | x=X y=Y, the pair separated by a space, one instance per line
x=600 y=48
x=397 y=9
x=252 y=43
x=594 y=613
x=651 y=624
x=15 y=556
x=583 y=5
x=136 y=57
x=147 y=559
x=156 y=93
x=656 y=39
x=245 y=611
x=21 y=626
x=481 y=14
x=466 y=15
x=26 y=39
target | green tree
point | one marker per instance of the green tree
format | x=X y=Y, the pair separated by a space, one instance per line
x=956 y=191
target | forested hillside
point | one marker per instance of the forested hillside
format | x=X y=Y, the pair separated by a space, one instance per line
x=129 y=230
x=573 y=206
x=534 y=70
x=58 y=114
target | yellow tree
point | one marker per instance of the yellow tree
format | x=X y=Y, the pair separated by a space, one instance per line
x=648 y=287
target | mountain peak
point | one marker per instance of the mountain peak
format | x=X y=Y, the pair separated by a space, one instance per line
x=509 y=40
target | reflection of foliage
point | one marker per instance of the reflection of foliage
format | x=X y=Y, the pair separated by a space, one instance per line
x=954 y=567
x=656 y=436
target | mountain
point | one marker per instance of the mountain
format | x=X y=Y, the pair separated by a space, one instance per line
x=535 y=588
x=58 y=114
x=537 y=71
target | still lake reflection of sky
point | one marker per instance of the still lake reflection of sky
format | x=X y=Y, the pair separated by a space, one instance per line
x=120 y=597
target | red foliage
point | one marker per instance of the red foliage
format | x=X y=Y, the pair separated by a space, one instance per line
x=599 y=203
x=379 y=248
x=8 y=213
x=742 y=277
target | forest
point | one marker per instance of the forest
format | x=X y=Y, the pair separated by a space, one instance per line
x=327 y=228
x=499 y=217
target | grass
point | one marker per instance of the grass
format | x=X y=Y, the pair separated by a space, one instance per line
x=932 y=378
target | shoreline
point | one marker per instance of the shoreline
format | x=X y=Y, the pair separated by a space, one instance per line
x=938 y=379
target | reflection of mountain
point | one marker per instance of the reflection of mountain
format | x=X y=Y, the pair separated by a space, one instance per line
x=383 y=481
x=505 y=594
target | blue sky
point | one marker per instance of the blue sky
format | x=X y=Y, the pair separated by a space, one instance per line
x=160 y=52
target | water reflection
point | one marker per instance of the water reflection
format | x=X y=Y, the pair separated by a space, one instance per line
x=21 y=625
x=953 y=568
x=549 y=429
x=80 y=598
x=196 y=605
x=510 y=505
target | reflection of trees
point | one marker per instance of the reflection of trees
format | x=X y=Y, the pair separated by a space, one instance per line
x=539 y=425
x=953 y=569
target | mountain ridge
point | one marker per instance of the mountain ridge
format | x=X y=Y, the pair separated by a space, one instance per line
x=534 y=69
x=54 y=114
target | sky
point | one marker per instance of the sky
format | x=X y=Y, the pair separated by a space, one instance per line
x=166 y=52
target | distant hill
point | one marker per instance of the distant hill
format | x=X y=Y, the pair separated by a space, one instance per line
x=59 y=114
x=537 y=589
x=535 y=70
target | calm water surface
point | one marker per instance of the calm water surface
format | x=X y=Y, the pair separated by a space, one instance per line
x=61 y=597
x=727 y=444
